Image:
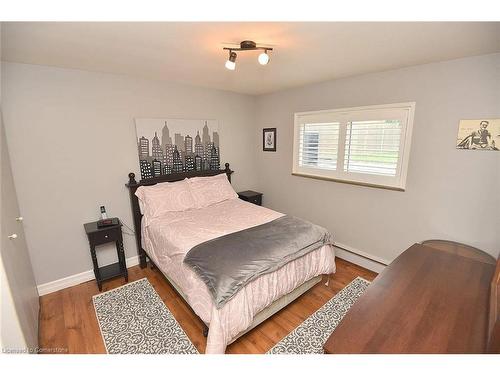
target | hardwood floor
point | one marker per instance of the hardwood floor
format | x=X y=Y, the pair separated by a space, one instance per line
x=68 y=323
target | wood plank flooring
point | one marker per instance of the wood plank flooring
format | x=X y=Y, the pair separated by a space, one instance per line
x=68 y=322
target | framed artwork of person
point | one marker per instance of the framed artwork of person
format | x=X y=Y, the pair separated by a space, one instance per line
x=482 y=134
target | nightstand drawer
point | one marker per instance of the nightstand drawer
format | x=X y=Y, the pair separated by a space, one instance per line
x=99 y=238
x=255 y=200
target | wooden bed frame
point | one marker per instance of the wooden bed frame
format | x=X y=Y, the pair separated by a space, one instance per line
x=133 y=185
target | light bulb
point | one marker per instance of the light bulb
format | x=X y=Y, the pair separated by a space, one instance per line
x=263 y=58
x=231 y=61
x=231 y=65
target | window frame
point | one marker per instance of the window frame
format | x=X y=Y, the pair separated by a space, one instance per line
x=406 y=112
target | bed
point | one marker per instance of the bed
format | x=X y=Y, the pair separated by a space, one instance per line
x=166 y=239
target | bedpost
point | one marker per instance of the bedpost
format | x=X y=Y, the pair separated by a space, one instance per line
x=131 y=179
x=136 y=216
x=228 y=171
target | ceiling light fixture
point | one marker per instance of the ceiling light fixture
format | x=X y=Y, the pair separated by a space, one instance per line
x=247 y=45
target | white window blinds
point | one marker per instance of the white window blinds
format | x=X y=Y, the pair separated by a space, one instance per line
x=364 y=145
x=318 y=145
x=373 y=147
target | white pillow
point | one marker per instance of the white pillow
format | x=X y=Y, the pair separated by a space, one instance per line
x=165 y=197
x=210 y=190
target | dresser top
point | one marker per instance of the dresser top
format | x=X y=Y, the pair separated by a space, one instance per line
x=428 y=300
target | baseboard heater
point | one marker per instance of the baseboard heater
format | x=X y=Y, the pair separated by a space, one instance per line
x=361 y=254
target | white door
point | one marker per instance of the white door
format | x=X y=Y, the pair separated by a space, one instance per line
x=20 y=302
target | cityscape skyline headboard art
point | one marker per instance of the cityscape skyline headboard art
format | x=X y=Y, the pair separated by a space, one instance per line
x=167 y=146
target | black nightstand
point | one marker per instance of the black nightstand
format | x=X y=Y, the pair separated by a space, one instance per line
x=99 y=236
x=251 y=196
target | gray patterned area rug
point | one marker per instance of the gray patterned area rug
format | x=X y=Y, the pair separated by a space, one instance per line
x=311 y=335
x=134 y=320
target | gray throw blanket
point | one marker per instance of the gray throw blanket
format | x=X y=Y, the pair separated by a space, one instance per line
x=228 y=263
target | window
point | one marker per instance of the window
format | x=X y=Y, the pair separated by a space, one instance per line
x=363 y=145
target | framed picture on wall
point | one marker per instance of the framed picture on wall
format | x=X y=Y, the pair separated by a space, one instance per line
x=269 y=139
x=480 y=134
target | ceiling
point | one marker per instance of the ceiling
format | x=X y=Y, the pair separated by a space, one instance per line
x=191 y=53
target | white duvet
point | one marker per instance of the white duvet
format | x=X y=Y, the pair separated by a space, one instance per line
x=168 y=238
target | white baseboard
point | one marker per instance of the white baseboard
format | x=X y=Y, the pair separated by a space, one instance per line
x=342 y=251
x=360 y=258
x=66 y=282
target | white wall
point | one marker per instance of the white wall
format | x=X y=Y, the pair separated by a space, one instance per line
x=451 y=194
x=72 y=139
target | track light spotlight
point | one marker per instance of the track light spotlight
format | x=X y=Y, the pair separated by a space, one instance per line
x=263 y=58
x=231 y=61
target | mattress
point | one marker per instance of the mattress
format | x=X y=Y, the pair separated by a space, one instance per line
x=168 y=238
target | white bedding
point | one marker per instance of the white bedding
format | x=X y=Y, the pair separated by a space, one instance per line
x=169 y=237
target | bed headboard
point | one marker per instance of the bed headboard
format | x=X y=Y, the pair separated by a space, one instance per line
x=133 y=185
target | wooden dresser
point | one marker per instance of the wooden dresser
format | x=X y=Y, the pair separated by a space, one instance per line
x=433 y=298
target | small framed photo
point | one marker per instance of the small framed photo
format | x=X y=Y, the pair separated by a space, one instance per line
x=269 y=139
